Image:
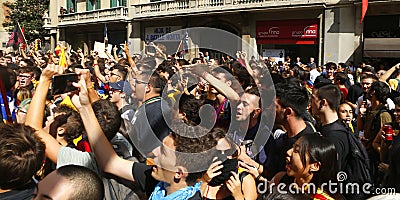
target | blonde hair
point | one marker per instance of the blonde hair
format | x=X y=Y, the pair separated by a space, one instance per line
x=23 y=94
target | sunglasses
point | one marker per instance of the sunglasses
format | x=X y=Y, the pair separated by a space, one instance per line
x=136 y=81
x=24 y=76
x=112 y=90
x=111 y=74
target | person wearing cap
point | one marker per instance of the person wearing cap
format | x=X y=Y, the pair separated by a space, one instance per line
x=120 y=93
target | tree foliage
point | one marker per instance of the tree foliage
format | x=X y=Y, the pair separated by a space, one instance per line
x=28 y=13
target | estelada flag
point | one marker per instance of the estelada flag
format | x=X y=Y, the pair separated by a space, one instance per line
x=16 y=37
x=364 y=8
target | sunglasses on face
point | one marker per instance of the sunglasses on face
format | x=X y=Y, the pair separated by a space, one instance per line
x=136 y=81
x=24 y=76
x=114 y=90
x=111 y=74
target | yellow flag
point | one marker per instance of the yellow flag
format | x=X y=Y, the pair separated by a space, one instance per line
x=63 y=59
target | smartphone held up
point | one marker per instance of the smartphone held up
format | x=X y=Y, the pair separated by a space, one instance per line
x=63 y=83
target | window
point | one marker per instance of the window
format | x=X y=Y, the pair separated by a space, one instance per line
x=71 y=6
x=92 y=5
x=116 y=3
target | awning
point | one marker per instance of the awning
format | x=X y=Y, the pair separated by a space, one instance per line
x=382 y=47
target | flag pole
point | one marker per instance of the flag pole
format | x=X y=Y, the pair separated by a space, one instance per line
x=179 y=46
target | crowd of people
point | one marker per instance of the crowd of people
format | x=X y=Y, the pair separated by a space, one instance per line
x=155 y=126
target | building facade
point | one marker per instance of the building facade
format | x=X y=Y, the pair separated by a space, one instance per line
x=329 y=30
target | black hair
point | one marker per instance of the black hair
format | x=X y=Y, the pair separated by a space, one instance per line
x=321 y=151
x=381 y=89
x=293 y=96
x=341 y=77
x=329 y=92
x=108 y=116
x=121 y=69
x=189 y=105
x=198 y=141
x=331 y=65
x=87 y=183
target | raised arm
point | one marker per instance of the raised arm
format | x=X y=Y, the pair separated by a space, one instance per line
x=97 y=69
x=106 y=157
x=224 y=89
x=130 y=60
x=35 y=113
x=389 y=72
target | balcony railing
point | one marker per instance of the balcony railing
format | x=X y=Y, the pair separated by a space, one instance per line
x=177 y=7
x=109 y=14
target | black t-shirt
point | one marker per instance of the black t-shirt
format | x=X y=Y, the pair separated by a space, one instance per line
x=284 y=143
x=142 y=175
x=24 y=193
x=339 y=139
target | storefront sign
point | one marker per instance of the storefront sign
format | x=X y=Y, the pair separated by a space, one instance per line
x=288 y=31
x=163 y=33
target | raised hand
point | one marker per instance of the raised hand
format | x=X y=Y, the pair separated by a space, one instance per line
x=213 y=171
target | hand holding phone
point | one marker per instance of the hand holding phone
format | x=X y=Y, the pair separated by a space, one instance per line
x=63 y=83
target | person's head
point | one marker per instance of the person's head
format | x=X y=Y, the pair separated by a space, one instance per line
x=381 y=72
x=66 y=127
x=26 y=63
x=291 y=100
x=345 y=113
x=70 y=182
x=21 y=153
x=313 y=158
x=189 y=108
x=325 y=99
x=330 y=69
x=148 y=83
x=340 y=78
x=117 y=73
x=120 y=91
x=341 y=67
x=108 y=116
x=183 y=154
x=367 y=80
x=165 y=69
x=23 y=93
x=249 y=107
x=224 y=74
x=22 y=110
x=379 y=91
x=25 y=76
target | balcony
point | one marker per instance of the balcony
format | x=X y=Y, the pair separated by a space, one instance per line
x=94 y=16
x=197 y=7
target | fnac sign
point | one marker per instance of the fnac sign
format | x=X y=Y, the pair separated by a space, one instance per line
x=288 y=29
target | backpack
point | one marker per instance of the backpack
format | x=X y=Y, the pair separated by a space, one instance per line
x=357 y=166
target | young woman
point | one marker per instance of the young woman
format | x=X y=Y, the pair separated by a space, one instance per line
x=310 y=163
